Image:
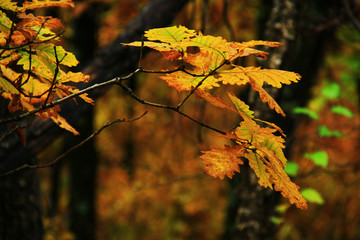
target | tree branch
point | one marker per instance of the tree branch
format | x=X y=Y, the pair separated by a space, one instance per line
x=51 y=163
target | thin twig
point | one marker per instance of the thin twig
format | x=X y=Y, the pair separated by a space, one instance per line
x=49 y=164
x=351 y=15
x=173 y=108
x=61 y=100
x=199 y=84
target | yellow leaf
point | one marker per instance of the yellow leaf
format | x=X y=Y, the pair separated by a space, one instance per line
x=64 y=124
x=242 y=108
x=185 y=82
x=259 y=168
x=46 y=3
x=8 y=5
x=169 y=34
x=221 y=162
x=266 y=98
x=74 y=77
x=282 y=181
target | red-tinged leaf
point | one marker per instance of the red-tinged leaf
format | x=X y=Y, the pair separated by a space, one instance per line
x=18 y=38
x=185 y=82
x=34 y=4
x=242 y=108
x=64 y=124
x=200 y=60
x=243 y=49
x=172 y=55
x=266 y=98
x=215 y=101
x=30 y=21
x=252 y=51
x=221 y=162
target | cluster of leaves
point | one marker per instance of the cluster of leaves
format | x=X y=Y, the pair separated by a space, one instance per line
x=207 y=62
x=31 y=60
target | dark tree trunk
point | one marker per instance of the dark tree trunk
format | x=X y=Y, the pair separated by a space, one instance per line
x=252 y=205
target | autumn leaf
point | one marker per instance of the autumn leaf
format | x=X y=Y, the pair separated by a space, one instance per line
x=8 y=5
x=46 y=3
x=169 y=34
x=183 y=81
x=259 y=168
x=64 y=124
x=221 y=162
x=215 y=101
x=242 y=108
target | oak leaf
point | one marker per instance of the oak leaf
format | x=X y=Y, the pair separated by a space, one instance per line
x=221 y=162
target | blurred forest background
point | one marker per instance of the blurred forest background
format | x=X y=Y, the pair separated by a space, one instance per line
x=144 y=179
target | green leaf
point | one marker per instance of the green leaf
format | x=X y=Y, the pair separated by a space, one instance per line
x=291 y=169
x=241 y=107
x=312 y=195
x=169 y=34
x=325 y=132
x=320 y=158
x=306 y=111
x=7 y=86
x=342 y=111
x=331 y=90
x=8 y=5
x=5 y=22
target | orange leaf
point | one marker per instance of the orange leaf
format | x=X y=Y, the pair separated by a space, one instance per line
x=266 y=98
x=64 y=124
x=219 y=162
x=46 y=3
x=216 y=101
x=185 y=82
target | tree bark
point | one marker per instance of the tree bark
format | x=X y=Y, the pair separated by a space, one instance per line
x=253 y=205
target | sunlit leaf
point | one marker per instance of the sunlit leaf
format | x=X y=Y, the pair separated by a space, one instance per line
x=325 y=132
x=169 y=34
x=6 y=86
x=342 y=111
x=331 y=90
x=320 y=158
x=46 y=3
x=241 y=107
x=215 y=101
x=5 y=22
x=306 y=111
x=182 y=81
x=291 y=168
x=312 y=195
x=221 y=162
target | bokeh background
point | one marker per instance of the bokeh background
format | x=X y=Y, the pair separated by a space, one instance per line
x=144 y=180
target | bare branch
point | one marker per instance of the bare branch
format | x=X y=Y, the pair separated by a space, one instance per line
x=94 y=134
